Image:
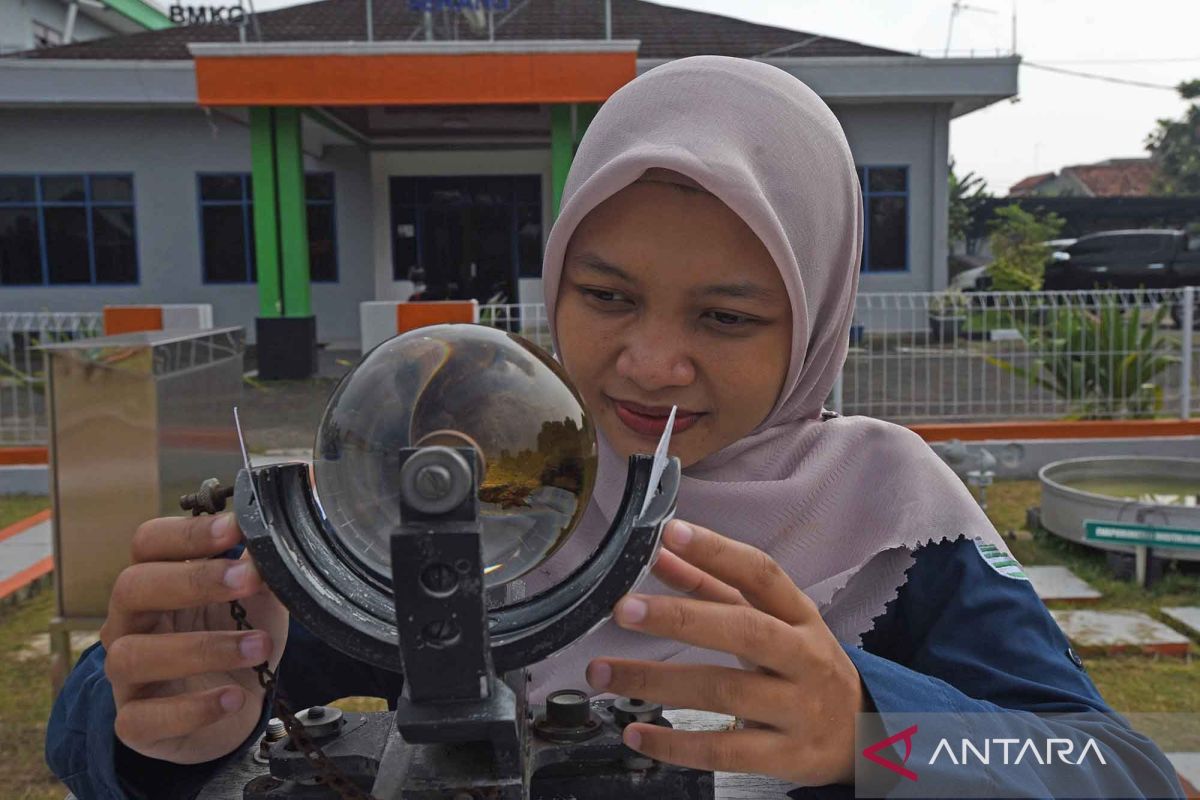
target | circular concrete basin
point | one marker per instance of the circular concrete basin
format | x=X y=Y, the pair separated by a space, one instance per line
x=1133 y=489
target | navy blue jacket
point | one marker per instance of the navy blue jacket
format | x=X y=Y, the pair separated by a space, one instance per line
x=959 y=637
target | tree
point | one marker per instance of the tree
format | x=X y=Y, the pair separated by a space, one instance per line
x=1017 y=237
x=1175 y=147
x=966 y=196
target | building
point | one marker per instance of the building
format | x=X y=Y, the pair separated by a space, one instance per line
x=30 y=24
x=1116 y=177
x=135 y=169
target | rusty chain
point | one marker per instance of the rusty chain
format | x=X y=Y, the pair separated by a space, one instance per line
x=211 y=499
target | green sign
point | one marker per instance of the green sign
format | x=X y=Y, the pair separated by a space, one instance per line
x=1143 y=535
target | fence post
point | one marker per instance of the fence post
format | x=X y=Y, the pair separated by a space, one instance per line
x=1187 y=323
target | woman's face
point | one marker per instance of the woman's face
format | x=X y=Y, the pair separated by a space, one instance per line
x=668 y=298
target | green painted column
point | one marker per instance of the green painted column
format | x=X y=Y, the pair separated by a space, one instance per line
x=562 y=150
x=568 y=123
x=293 y=217
x=280 y=217
x=266 y=222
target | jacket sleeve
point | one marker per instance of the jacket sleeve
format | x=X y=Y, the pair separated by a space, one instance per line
x=967 y=637
x=85 y=754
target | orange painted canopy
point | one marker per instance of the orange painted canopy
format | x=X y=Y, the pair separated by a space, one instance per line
x=411 y=73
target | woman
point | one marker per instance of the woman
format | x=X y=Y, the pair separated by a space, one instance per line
x=706 y=257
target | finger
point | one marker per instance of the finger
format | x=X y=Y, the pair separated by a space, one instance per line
x=736 y=692
x=148 y=658
x=755 y=574
x=181 y=538
x=142 y=723
x=748 y=750
x=683 y=577
x=743 y=631
x=169 y=586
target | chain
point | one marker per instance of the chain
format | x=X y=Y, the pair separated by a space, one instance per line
x=211 y=499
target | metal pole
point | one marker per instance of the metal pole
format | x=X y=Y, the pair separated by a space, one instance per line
x=491 y=23
x=1139 y=565
x=429 y=26
x=370 y=21
x=1188 y=334
x=608 y=19
x=69 y=28
x=837 y=392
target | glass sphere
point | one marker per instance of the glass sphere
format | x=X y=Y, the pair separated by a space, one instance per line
x=458 y=385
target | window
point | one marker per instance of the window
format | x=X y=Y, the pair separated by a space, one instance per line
x=227 y=227
x=67 y=229
x=885 y=228
x=45 y=36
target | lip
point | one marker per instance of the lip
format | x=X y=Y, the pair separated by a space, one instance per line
x=652 y=420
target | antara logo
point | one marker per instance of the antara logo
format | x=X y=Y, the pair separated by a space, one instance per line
x=872 y=753
x=1060 y=748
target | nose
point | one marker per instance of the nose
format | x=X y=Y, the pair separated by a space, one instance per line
x=654 y=357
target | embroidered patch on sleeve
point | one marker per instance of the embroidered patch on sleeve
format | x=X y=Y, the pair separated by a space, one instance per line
x=1000 y=561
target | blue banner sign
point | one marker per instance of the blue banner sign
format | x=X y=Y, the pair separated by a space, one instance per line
x=458 y=5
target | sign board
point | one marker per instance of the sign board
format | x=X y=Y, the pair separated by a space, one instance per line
x=1140 y=535
x=206 y=15
x=458 y=5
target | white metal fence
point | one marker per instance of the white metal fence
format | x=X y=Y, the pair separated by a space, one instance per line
x=913 y=356
x=23 y=367
x=920 y=356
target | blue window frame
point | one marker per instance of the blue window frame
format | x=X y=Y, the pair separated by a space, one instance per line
x=67 y=230
x=885 y=218
x=227 y=227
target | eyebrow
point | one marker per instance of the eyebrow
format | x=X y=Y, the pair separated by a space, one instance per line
x=741 y=290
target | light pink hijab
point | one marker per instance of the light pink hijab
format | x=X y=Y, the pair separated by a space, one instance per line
x=840 y=504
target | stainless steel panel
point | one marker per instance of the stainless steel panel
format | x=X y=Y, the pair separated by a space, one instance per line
x=136 y=421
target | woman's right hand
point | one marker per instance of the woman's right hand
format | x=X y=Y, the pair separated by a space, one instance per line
x=182 y=674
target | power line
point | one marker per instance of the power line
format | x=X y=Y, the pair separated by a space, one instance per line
x=1096 y=77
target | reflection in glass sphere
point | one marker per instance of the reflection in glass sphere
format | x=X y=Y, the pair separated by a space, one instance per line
x=458 y=385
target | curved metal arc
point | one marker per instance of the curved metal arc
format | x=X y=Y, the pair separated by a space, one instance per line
x=288 y=540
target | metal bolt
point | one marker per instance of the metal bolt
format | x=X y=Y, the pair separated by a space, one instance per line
x=439 y=578
x=433 y=482
x=275 y=730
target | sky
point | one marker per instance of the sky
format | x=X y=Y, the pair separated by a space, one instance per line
x=1057 y=120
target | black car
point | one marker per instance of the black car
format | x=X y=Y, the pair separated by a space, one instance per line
x=1142 y=259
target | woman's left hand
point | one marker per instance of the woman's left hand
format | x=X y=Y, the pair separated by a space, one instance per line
x=801 y=699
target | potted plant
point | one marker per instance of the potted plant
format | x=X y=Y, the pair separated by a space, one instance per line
x=948 y=315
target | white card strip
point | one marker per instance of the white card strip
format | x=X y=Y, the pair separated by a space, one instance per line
x=237 y=423
x=660 y=460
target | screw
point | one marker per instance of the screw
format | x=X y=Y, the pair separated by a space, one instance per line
x=441 y=633
x=433 y=482
x=439 y=578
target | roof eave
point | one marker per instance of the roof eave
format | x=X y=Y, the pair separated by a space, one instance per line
x=965 y=84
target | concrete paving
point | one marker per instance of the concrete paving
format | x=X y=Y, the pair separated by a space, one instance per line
x=26 y=554
x=1059 y=583
x=1187 y=616
x=1109 y=632
x=1187 y=765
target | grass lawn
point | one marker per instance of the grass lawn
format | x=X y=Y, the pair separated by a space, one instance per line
x=16 y=507
x=25 y=685
x=1129 y=683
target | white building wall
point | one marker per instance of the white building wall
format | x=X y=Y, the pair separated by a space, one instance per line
x=916 y=136
x=164 y=150
x=17 y=18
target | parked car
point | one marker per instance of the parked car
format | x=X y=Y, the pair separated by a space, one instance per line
x=976 y=279
x=1140 y=259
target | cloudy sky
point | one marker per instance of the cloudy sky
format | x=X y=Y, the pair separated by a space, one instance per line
x=1058 y=119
